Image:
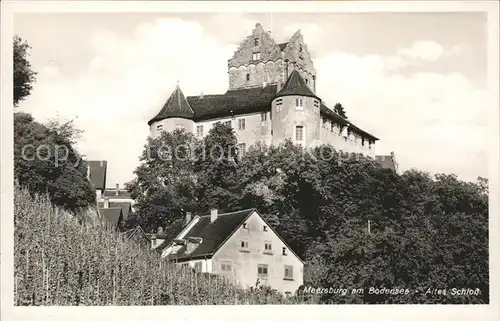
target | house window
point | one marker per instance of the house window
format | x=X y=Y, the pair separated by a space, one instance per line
x=288 y=272
x=268 y=247
x=263 y=117
x=248 y=77
x=299 y=133
x=159 y=127
x=241 y=124
x=284 y=250
x=244 y=245
x=185 y=266
x=262 y=271
x=264 y=228
x=227 y=123
x=256 y=56
x=197 y=267
x=256 y=41
x=242 y=149
x=199 y=131
x=225 y=266
x=299 y=104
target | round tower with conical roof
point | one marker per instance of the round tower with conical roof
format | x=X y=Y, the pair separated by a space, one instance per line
x=175 y=114
x=295 y=113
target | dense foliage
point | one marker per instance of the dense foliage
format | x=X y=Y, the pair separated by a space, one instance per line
x=45 y=161
x=59 y=261
x=24 y=76
x=425 y=232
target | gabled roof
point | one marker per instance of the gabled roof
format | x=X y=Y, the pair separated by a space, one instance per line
x=296 y=86
x=98 y=171
x=215 y=234
x=112 y=215
x=176 y=106
x=126 y=207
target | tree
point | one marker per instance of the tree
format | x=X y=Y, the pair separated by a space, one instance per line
x=24 y=76
x=46 y=161
x=216 y=164
x=165 y=183
x=339 y=109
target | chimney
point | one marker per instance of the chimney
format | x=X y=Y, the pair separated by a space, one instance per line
x=278 y=86
x=213 y=214
x=201 y=95
x=117 y=189
x=188 y=218
x=106 y=202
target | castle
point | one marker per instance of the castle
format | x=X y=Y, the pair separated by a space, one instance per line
x=271 y=97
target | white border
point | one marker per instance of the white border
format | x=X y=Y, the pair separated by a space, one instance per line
x=353 y=312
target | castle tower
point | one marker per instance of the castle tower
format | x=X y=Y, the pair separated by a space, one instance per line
x=259 y=61
x=295 y=113
x=175 y=114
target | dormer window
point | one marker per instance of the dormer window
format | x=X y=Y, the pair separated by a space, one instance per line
x=256 y=41
x=256 y=56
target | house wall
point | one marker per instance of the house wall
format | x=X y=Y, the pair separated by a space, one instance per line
x=170 y=124
x=244 y=264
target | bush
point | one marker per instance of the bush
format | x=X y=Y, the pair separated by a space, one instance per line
x=59 y=261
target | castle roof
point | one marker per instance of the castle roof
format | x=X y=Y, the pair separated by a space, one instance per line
x=176 y=106
x=296 y=86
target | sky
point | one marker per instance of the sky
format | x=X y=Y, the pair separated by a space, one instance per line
x=417 y=81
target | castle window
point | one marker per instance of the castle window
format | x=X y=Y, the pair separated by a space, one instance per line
x=300 y=48
x=244 y=244
x=284 y=251
x=256 y=41
x=241 y=124
x=199 y=131
x=324 y=122
x=307 y=81
x=332 y=128
x=242 y=149
x=299 y=133
x=316 y=103
x=245 y=226
x=299 y=104
x=263 y=117
x=159 y=127
x=288 y=272
x=248 y=77
x=278 y=108
x=256 y=56
x=262 y=271
x=264 y=228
